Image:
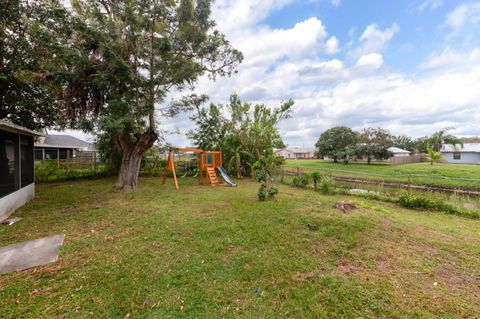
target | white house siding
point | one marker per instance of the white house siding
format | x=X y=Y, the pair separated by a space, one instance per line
x=13 y=201
x=465 y=158
x=297 y=153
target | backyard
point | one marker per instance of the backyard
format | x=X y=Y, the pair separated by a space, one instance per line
x=217 y=252
x=439 y=174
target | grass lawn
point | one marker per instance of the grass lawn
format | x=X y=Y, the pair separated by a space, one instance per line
x=439 y=170
x=206 y=252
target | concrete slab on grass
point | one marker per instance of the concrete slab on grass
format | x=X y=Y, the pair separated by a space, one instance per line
x=30 y=253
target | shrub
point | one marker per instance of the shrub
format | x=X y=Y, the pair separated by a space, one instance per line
x=153 y=167
x=326 y=186
x=54 y=171
x=45 y=169
x=316 y=177
x=409 y=200
x=262 y=192
x=272 y=192
x=262 y=171
x=301 y=181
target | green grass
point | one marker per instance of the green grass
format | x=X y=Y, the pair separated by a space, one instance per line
x=205 y=252
x=436 y=174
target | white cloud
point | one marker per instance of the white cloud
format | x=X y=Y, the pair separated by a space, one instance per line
x=332 y=45
x=452 y=59
x=267 y=45
x=463 y=15
x=429 y=5
x=374 y=40
x=233 y=16
x=374 y=60
x=415 y=106
x=336 y=3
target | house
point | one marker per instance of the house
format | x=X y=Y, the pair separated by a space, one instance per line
x=60 y=147
x=297 y=152
x=17 y=184
x=398 y=152
x=469 y=154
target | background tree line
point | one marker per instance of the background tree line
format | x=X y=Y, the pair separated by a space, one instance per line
x=341 y=143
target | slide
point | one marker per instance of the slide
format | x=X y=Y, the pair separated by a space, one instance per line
x=225 y=177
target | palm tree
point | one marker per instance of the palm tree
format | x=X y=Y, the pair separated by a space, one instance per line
x=438 y=139
x=433 y=157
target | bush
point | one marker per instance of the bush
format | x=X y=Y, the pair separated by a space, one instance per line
x=262 y=173
x=153 y=167
x=316 y=177
x=272 y=192
x=409 y=200
x=53 y=171
x=301 y=181
x=326 y=186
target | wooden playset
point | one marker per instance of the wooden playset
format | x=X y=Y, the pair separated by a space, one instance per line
x=209 y=163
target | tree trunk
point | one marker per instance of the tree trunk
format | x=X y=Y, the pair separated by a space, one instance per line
x=239 y=172
x=132 y=153
x=369 y=160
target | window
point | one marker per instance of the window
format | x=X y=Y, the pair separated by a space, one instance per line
x=9 y=181
x=26 y=160
x=38 y=154
x=63 y=154
x=457 y=155
x=51 y=153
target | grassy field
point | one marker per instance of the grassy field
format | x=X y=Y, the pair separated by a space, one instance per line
x=206 y=252
x=437 y=172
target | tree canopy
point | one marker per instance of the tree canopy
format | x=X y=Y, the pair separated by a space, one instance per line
x=337 y=143
x=31 y=51
x=374 y=143
x=439 y=138
x=244 y=132
x=404 y=142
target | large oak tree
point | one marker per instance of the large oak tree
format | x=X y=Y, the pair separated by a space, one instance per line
x=126 y=56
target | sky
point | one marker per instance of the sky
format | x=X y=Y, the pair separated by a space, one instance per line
x=409 y=66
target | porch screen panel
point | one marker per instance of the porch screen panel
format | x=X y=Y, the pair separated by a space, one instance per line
x=26 y=155
x=9 y=163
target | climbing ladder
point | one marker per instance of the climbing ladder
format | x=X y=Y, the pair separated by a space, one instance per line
x=212 y=175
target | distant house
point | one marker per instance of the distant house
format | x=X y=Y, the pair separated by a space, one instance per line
x=17 y=185
x=297 y=152
x=60 y=147
x=469 y=154
x=398 y=152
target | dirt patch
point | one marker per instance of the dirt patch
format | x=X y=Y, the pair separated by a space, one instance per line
x=345 y=207
x=457 y=280
x=302 y=277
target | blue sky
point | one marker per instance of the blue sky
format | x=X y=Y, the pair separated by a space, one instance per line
x=410 y=66
x=422 y=25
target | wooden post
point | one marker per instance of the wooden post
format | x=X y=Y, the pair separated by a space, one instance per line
x=165 y=171
x=174 y=174
x=298 y=171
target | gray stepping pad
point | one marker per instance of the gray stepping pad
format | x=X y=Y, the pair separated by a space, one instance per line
x=30 y=253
